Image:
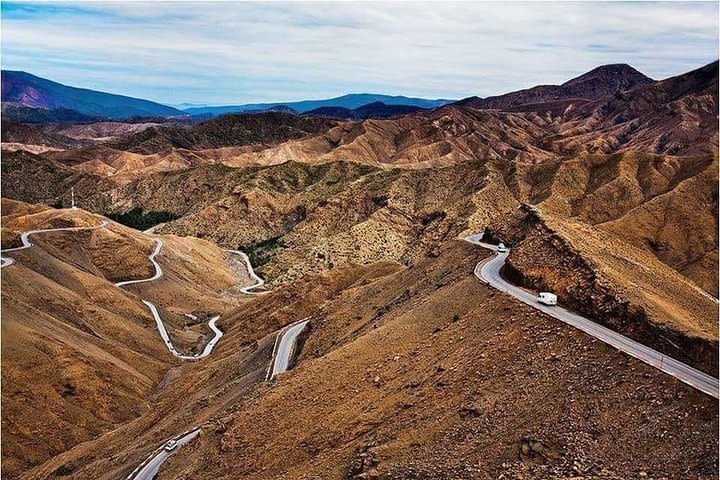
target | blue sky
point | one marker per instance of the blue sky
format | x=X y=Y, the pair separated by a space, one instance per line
x=231 y=53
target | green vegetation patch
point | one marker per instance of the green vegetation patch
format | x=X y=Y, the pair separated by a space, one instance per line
x=261 y=252
x=140 y=220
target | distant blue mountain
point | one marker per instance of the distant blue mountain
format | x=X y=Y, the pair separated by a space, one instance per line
x=27 y=97
x=371 y=110
x=350 y=101
x=21 y=89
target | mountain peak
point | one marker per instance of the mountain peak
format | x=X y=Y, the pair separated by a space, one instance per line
x=620 y=74
x=599 y=82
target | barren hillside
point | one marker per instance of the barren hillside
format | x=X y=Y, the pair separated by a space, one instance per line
x=81 y=348
x=605 y=188
x=416 y=371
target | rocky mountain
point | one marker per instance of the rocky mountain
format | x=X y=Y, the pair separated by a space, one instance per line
x=99 y=131
x=228 y=130
x=605 y=81
x=411 y=367
x=350 y=101
x=600 y=82
x=21 y=89
x=112 y=362
x=23 y=114
x=408 y=370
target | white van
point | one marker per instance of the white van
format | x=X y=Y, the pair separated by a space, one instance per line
x=171 y=445
x=501 y=248
x=547 y=298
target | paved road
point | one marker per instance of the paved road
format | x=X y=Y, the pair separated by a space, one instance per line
x=25 y=239
x=158 y=271
x=489 y=272
x=148 y=469
x=286 y=347
x=259 y=282
x=156 y=315
x=280 y=361
x=168 y=343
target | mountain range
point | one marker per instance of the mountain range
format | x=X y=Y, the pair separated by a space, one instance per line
x=604 y=188
x=28 y=98
x=31 y=99
x=21 y=89
x=349 y=101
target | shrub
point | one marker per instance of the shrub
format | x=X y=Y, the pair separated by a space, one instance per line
x=135 y=218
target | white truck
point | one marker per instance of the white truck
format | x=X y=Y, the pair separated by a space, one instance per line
x=547 y=298
x=501 y=248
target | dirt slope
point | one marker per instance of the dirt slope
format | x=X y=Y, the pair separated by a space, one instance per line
x=420 y=371
x=625 y=288
x=390 y=383
x=81 y=356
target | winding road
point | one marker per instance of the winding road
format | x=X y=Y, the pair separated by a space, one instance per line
x=158 y=271
x=26 y=243
x=488 y=271
x=284 y=349
x=156 y=315
x=282 y=353
x=166 y=338
x=259 y=282
x=25 y=239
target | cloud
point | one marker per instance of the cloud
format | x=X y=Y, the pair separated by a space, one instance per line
x=222 y=52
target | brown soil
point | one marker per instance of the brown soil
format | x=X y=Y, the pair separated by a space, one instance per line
x=619 y=286
x=420 y=371
x=80 y=356
x=411 y=368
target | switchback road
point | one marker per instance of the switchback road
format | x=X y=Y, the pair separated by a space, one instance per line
x=156 y=315
x=284 y=349
x=259 y=282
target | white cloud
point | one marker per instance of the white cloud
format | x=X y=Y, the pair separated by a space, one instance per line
x=226 y=52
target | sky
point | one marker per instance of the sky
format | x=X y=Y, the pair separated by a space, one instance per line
x=223 y=53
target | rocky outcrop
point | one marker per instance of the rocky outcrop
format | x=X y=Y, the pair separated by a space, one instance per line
x=543 y=260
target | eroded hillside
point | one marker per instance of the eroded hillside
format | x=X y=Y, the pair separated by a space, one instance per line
x=419 y=371
x=606 y=188
x=80 y=355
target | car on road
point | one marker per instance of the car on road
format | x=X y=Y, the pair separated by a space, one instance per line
x=171 y=445
x=501 y=248
x=547 y=298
